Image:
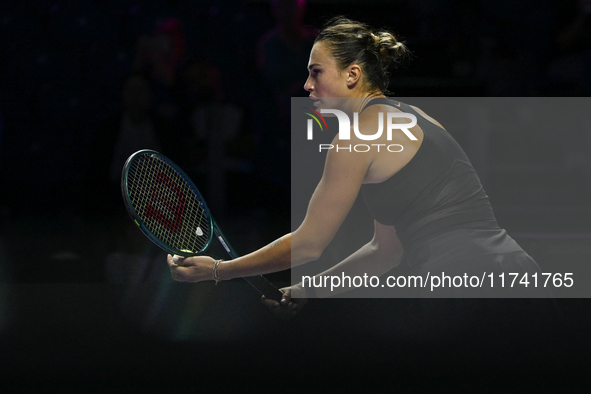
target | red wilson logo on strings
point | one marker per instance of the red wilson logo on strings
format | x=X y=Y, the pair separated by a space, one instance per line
x=175 y=203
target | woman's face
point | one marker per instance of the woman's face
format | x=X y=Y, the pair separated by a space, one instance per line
x=325 y=80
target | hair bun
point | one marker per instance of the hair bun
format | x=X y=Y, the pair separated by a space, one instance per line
x=388 y=48
x=355 y=42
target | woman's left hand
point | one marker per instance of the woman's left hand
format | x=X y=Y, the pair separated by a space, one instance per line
x=287 y=307
x=190 y=269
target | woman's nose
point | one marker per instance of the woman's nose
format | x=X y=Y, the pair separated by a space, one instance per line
x=308 y=85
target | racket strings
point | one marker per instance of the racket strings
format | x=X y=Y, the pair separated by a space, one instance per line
x=167 y=205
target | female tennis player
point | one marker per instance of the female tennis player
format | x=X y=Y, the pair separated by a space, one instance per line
x=429 y=208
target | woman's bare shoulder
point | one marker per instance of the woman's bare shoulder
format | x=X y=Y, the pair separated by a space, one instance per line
x=430 y=119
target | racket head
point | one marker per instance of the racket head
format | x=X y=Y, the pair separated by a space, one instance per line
x=165 y=204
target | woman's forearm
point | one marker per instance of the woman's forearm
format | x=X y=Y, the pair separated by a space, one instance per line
x=368 y=260
x=283 y=254
x=279 y=255
x=271 y=258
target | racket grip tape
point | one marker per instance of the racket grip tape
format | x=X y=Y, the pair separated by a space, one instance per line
x=264 y=287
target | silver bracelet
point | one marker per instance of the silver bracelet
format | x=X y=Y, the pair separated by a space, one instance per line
x=214 y=271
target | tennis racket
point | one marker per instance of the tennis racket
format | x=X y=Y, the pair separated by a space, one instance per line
x=168 y=208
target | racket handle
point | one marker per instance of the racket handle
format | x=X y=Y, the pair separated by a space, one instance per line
x=260 y=283
x=264 y=287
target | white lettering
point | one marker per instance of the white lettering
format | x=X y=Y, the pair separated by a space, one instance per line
x=397 y=145
x=401 y=126
x=370 y=137
x=361 y=148
x=344 y=122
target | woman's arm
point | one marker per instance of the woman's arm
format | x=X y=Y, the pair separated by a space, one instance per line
x=375 y=258
x=331 y=202
x=334 y=196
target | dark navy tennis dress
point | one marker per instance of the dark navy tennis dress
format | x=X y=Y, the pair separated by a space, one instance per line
x=444 y=219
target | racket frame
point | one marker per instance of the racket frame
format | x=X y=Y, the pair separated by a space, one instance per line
x=138 y=220
x=259 y=282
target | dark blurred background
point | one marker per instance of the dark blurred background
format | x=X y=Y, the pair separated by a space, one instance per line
x=85 y=83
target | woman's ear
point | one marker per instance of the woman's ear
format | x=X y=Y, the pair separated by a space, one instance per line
x=354 y=75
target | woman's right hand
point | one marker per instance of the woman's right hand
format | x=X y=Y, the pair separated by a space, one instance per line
x=287 y=307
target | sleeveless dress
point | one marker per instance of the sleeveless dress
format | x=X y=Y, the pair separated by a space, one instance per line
x=445 y=222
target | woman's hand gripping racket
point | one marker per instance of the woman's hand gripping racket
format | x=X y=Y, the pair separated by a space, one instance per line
x=170 y=211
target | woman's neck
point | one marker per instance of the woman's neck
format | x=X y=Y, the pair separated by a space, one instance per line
x=361 y=102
